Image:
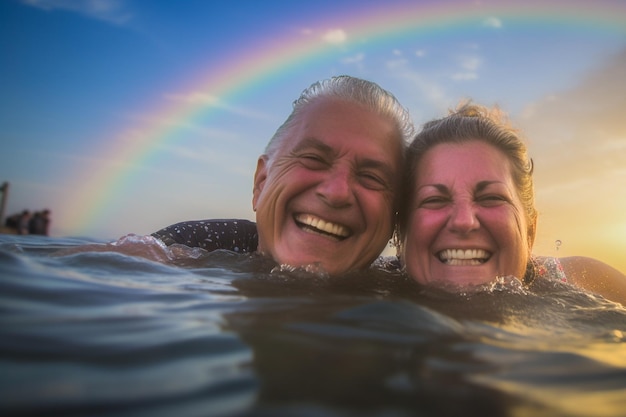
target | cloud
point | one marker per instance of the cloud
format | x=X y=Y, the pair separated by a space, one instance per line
x=469 y=66
x=427 y=88
x=493 y=22
x=399 y=61
x=335 y=36
x=398 y=65
x=332 y=36
x=471 y=63
x=354 y=59
x=577 y=139
x=111 y=11
x=589 y=116
x=464 y=76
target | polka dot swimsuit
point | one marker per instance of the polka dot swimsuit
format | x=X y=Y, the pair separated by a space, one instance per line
x=230 y=234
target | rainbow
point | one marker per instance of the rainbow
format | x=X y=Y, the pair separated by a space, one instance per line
x=253 y=67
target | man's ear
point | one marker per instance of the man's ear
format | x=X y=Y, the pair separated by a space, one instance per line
x=259 y=179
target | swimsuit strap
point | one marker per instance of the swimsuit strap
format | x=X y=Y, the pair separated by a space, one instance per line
x=549 y=267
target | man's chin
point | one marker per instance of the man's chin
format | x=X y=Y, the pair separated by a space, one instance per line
x=331 y=265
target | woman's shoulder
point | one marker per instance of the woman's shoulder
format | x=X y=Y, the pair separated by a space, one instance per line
x=595 y=276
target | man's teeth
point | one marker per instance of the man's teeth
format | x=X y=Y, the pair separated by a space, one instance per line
x=463 y=256
x=322 y=225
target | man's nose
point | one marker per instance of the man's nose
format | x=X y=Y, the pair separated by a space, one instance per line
x=337 y=188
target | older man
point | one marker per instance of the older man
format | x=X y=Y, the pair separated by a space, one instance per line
x=326 y=188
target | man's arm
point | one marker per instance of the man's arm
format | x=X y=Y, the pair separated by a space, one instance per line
x=231 y=234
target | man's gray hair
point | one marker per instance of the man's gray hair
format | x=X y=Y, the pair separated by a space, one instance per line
x=351 y=89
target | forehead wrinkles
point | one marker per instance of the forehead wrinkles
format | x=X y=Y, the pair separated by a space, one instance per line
x=387 y=168
x=480 y=186
x=313 y=143
x=430 y=167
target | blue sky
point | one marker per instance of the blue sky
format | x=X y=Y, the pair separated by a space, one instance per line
x=77 y=77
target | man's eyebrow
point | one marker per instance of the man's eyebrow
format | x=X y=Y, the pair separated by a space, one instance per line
x=313 y=143
x=387 y=169
x=308 y=143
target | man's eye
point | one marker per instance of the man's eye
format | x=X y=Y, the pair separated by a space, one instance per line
x=313 y=161
x=373 y=181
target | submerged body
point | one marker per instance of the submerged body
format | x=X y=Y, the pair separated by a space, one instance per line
x=225 y=334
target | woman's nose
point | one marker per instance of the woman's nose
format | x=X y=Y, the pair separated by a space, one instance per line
x=463 y=218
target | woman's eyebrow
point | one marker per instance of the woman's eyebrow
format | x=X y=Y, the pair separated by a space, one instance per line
x=484 y=184
x=439 y=187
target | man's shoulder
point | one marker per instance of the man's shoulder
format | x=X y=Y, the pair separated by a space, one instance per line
x=239 y=235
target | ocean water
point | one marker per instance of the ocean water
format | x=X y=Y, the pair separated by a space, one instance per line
x=98 y=333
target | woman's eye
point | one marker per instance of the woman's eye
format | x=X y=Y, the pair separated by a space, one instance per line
x=433 y=202
x=492 y=199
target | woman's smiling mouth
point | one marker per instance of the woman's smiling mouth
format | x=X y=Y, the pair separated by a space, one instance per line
x=462 y=257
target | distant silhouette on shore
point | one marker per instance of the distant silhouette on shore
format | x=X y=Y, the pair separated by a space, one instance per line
x=24 y=223
x=27 y=223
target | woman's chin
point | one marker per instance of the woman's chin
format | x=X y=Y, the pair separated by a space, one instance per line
x=461 y=282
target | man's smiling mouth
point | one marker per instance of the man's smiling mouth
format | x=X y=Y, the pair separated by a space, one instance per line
x=461 y=257
x=314 y=224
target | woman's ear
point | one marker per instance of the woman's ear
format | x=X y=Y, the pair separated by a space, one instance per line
x=259 y=179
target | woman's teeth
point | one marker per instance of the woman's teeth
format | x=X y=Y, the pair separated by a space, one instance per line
x=463 y=256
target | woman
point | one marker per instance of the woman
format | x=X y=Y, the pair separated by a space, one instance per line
x=471 y=213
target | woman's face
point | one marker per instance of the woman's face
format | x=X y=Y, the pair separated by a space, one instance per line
x=466 y=223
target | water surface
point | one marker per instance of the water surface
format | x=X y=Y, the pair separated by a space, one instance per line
x=222 y=334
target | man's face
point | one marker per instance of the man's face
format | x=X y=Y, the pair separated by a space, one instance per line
x=327 y=196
